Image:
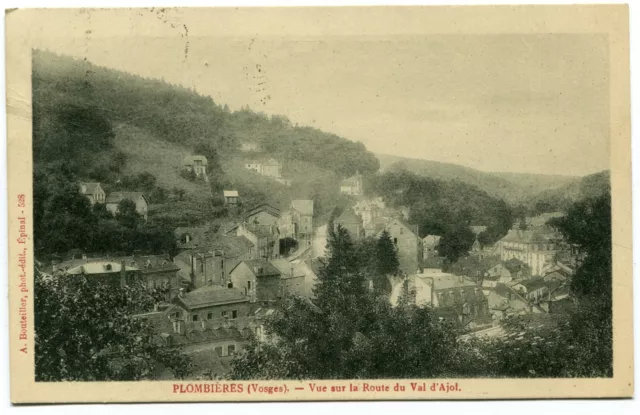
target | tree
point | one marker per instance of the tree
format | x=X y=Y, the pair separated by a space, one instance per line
x=456 y=242
x=86 y=330
x=127 y=215
x=386 y=253
x=347 y=331
x=288 y=245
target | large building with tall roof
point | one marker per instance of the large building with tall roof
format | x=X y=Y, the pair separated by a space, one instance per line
x=536 y=248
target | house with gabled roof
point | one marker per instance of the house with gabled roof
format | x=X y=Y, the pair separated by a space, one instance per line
x=211 y=305
x=157 y=272
x=303 y=217
x=263 y=214
x=536 y=247
x=408 y=244
x=93 y=191
x=196 y=164
x=352 y=185
x=138 y=198
x=259 y=279
x=351 y=222
x=231 y=197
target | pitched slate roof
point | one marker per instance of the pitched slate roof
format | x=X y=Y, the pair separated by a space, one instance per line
x=190 y=160
x=261 y=230
x=233 y=246
x=431 y=240
x=211 y=295
x=534 y=283
x=529 y=236
x=117 y=197
x=303 y=206
x=272 y=210
x=149 y=263
x=348 y=217
x=287 y=269
x=260 y=268
x=90 y=187
x=99 y=267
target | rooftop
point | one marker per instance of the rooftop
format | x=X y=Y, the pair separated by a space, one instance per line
x=117 y=197
x=534 y=236
x=211 y=295
x=260 y=267
x=230 y=193
x=191 y=160
x=303 y=206
x=149 y=263
x=90 y=188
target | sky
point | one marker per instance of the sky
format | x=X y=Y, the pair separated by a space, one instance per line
x=523 y=103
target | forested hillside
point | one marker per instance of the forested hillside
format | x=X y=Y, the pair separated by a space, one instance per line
x=132 y=133
x=445 y=208
x=515 y=188
x=560 y=199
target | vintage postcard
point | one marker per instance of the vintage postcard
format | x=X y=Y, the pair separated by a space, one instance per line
x=290 y=204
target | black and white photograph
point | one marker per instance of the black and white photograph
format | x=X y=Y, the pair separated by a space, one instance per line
x=214 y=209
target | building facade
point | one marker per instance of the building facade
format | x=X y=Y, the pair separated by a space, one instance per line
x=258 y=279
x=536 y=248
x=408 y=245
x=352 y=186
x=138 y=198
x=93 y=191
x=196 y=164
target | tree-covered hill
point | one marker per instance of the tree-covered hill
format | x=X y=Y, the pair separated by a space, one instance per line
x=561 y=198
x=445 y=208
x=514 y=188
x=74 y=92
x=132 y=133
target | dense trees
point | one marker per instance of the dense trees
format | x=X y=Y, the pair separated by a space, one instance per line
x=348 y=331
x=85 y=330
x=105 y=98
x=64 y=220
x=580 y=343
x=444 y=208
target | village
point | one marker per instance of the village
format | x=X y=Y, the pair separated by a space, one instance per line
x=219 y=287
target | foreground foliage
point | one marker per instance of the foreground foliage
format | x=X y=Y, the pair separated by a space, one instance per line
x=85 y=330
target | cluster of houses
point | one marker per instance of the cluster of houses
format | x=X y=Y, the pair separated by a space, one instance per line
x=370 y=218
x=270 y=168
x=215 y=293
x=96 y=195
x=527 y=271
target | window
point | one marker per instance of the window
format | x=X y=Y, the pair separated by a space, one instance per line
x=231 y=349
x=209 y=316
x=224 y=314
x=194 y=317
x=249 y=284
x=202 y=266
x=395 y=241
x=222 y=263
x=219 y=351
x=234 y=314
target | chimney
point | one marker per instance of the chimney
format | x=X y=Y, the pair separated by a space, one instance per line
x=123 y=274
x=181 y=293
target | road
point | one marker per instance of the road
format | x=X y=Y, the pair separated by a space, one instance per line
x=319 y=242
